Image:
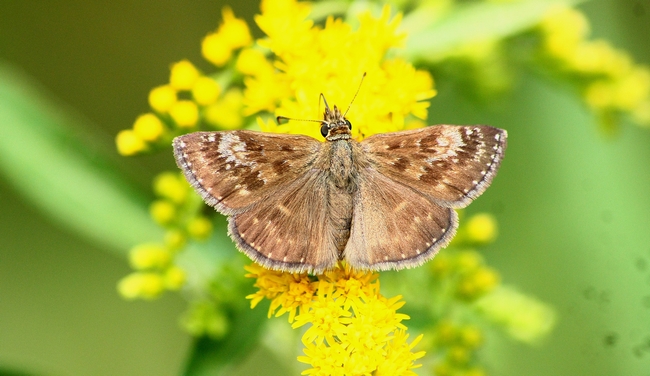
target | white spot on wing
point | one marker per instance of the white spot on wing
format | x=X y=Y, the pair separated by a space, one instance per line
x=284 y=209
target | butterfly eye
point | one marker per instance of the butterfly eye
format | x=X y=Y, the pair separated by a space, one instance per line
x=348 y=123
x=324 y=129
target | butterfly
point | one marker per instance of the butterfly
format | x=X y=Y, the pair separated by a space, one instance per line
x=297 y=204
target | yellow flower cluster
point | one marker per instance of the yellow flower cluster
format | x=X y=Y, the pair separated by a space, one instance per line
x=457 y=345
x=170 y=111
x=310 y=60
x=284 y=74
x=177 y=209
x=610 y=81
x=464 y=273
x=352 y=328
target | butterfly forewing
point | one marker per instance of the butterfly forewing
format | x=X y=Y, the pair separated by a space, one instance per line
x=233 y=170
x=394 y=226
x=451 y=164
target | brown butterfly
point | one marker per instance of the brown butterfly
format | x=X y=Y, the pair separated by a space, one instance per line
x=300 y=205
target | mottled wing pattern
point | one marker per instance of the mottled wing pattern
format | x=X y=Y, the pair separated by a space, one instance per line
x=293 y=232
x=233 y=170
x=394 y=226
x=451 y=164
x=268 y=185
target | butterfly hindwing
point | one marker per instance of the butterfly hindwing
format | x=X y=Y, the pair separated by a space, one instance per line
x=292 y=231
x=394 y=226
x=451 y=164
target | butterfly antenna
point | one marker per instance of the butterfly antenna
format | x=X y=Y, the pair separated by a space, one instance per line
x=279 y=119
x=355 y=95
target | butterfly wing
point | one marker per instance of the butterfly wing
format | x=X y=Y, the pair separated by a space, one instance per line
x=451 y=164
x=233 y=170
x=293 y=230
x=268 y=184
x=394 y=226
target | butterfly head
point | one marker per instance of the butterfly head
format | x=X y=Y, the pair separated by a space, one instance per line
x=334 y=125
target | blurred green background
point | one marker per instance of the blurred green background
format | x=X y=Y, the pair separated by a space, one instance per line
x=572 y=204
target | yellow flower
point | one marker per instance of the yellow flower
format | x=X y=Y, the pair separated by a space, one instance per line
x=252 y=62
x=147 y=256
x=351 y=328
x=565 y=28
x=171 y=185
x=235 y=30
x=174 y=278
x=332 y=60
x=233 y=33
x=141 y=285
x=205 y=91
x=215 y=49
x=185 y=113
x=162 y=98
x=482 y=228
x=286 y=25
x=183 y=75
x=148 y=127
x=199 y=227
x=163 y=212
x=286 y=291
x=226 y=113
x=129 y=143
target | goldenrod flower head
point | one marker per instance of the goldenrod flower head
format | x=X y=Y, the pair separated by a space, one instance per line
x=226 y=113
x=599 y=58
x=174 y=277
x=470 y=336
x=163 y=212
x=141 y=285
x=286 y=25
x=129 y=143
x=352 y=328
x=468 y=261
x=252 y=62
x=162 y=98
x=565 y=28
x=286 y=291
x=148 y=256
x=215 y=49
x=205 y=90
x=331 y=60
x=185 y=113
x=641 y=113
x=171 y=185
x=235 y=30
x=175 y=239
x=599 y=94
x=632 y=89
x=233 y=33
x=148 y=127
x=478 y=283
x=481 y=228
x=400 y=359
x=183 y=75
x=199 y=227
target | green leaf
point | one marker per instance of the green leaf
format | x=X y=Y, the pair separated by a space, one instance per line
x=431 y=36
x=49 y=160
x=217 y=357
